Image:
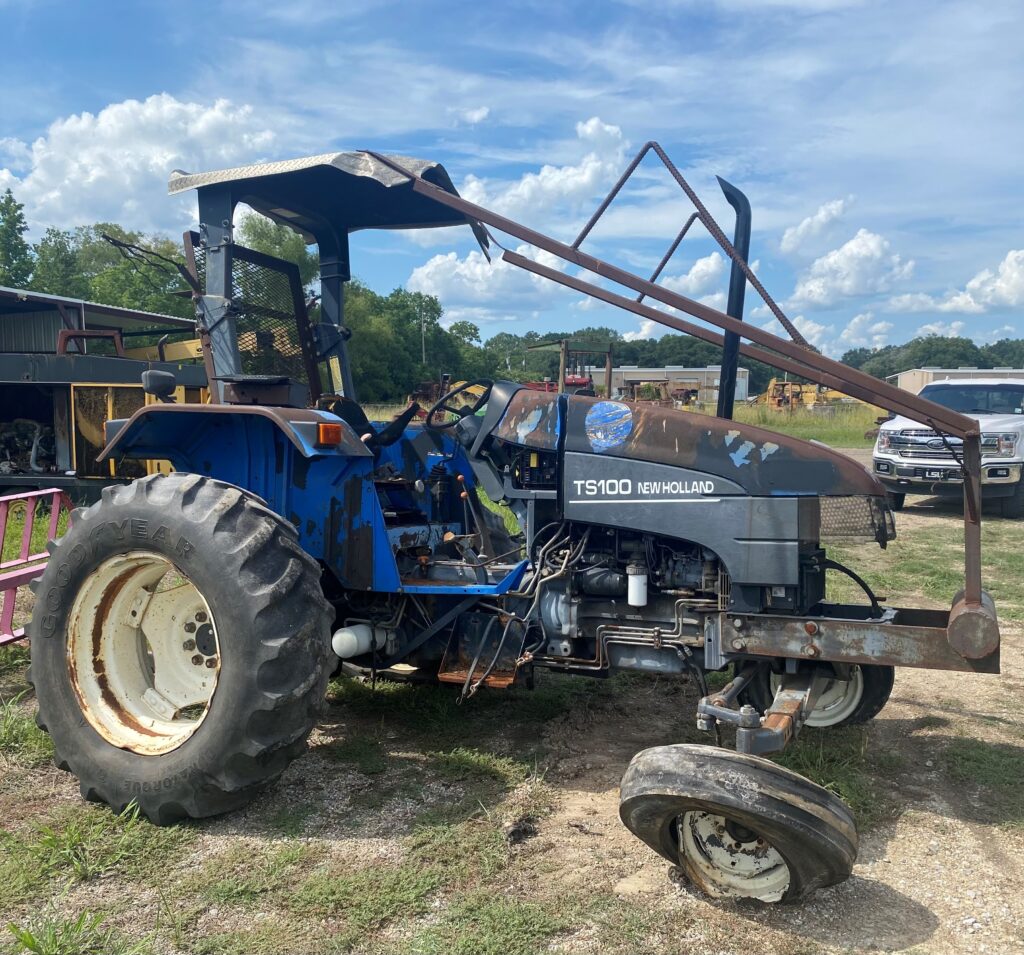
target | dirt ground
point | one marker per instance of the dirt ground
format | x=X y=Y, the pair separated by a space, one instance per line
x=940 y=870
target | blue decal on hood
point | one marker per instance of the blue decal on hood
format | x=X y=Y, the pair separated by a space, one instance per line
x=608 y=424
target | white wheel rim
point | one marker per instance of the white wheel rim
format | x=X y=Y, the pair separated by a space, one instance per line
x=838 y=700
x=730 y=861
x=143 y=653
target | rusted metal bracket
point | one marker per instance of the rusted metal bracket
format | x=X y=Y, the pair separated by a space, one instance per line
x=772 y=733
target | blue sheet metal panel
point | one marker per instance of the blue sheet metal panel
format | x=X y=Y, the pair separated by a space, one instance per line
x=509 y=582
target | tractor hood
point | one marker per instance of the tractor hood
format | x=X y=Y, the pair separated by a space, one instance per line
x=688 y=457
x=755 y=460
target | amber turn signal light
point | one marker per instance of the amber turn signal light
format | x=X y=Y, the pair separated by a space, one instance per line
x=328 y=434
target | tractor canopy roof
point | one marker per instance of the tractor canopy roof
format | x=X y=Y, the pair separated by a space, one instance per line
x=335 y=193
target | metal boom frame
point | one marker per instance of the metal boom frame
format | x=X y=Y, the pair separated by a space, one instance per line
x=795 y=356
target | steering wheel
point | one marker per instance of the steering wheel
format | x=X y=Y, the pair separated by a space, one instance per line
x=462 y=411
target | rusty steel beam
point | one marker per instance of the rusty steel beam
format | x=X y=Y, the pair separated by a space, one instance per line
x=697 y=331
x=886 y=395
x=705 y=217
x=927 y=640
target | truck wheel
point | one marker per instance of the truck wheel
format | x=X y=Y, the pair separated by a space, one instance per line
x=738 y=826
x=180 y=647
x=1013 y=506
x=843 y=702
x=896 y=500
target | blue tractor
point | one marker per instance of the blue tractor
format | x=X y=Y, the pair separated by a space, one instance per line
x=187 y=624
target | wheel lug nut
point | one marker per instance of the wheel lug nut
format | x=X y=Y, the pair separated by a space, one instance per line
x=211 y=663
x=201 y=616
x=188 y=645
x=190 y=627
x=198 y=659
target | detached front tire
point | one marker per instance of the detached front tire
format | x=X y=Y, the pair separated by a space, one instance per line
x=180 y=647
x=738 y=826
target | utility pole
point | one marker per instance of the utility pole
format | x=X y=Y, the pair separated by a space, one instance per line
x=423 y=333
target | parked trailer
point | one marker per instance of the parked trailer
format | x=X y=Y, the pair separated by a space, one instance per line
x=66 y=368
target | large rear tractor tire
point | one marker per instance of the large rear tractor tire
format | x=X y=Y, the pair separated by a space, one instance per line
x=180 y=647
x=738 y=826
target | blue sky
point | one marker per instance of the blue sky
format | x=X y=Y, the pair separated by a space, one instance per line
x=879 y=143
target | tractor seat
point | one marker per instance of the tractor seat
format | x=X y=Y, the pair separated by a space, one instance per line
x=353 y=415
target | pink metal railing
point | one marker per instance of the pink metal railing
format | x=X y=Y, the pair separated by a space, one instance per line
x=19 y=571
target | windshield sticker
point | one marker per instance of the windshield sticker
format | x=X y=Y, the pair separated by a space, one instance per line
x=608 y=424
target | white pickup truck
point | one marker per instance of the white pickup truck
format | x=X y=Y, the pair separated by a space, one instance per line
x=910 y=458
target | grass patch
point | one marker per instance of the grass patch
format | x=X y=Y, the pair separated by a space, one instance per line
x=272 y=937
x=460 y=854
x=365 y=900
x=290 y=821
x=840 y=760
x=432 y=713
x=81 y=843
x=463 y=764
x=481 y=924
x=62 y=935
x=365 y=753
x=841 y=426
x=21 y=741
x=13 y=658
x=929 y=561
x=995 y=767
x=242 y=877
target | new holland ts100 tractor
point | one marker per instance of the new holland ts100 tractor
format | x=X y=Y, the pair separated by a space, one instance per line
x=186 y=625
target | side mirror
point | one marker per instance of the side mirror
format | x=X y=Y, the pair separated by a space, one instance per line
x=159 y=384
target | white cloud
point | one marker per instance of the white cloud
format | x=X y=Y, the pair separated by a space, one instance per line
x=648 y=329
x=695 y=283
x=862 y=266
x=996 y=334
x=795 y=236
x=815 y=333
x=862 y=331
x=1003 y=288
x=472 y=116
x=114 y=165
x=942 y=329
x=549 y=193
x=702 y=275
x=488 y=291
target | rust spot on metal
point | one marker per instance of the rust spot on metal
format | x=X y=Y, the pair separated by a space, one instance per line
x=498 y=680
x=102 y=610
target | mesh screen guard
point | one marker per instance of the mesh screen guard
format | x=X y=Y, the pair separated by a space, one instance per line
x=860 y=517
x=274 y=334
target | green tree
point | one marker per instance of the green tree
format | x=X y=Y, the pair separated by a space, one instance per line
x=56 y=267
x=264 y=235
x=138 y=283
x=15 y=252
x=1005 y=353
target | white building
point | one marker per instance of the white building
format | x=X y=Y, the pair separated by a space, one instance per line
x=914 y=379
x=703 y=380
